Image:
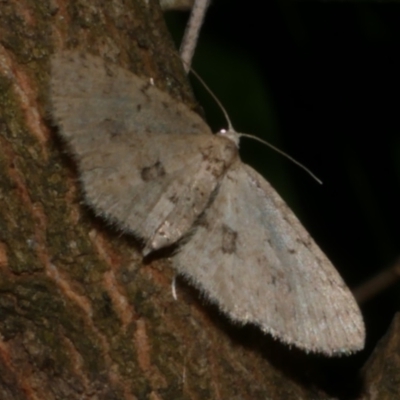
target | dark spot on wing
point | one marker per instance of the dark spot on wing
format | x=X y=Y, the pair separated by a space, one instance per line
x=229 y=237
x=277 y=278
x=202 y=221
x=173 y=198
x=112 y=127
x=153 y=172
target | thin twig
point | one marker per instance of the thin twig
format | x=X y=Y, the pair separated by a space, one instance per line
x=191 y=35
x=176 y=5
x=378 y=283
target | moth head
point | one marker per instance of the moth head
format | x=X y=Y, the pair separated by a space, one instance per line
x=230 y=134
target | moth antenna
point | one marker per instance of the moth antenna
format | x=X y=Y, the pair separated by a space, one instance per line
x=210 y=92
x=294 y=161
x=231 y=128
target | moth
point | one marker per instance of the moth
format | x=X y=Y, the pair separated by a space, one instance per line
x=152 y=166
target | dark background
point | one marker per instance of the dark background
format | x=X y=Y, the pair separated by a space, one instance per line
x=320 y=80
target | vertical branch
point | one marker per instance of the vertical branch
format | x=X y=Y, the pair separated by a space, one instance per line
x=191 y=35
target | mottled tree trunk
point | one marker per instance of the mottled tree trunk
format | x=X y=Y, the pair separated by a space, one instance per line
x=81 y=315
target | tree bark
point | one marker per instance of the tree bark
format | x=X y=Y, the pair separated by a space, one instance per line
x=81 y=315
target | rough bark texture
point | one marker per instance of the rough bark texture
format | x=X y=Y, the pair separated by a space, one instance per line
x=81 y=316
x=382 y=371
